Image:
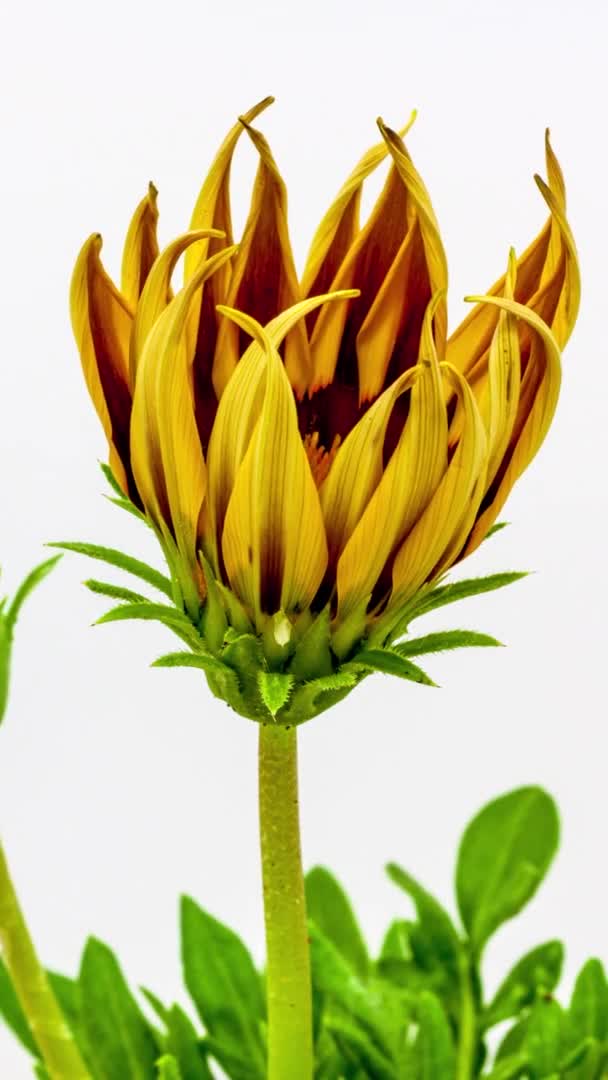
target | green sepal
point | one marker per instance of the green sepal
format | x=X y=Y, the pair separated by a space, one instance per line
x=149 y=612
x=224 y=986
x=237 y=616
x=536 y=973
x=275 y=688
x=124 y=562
x=497 y=527
x=503 y=856
x=115 y=592
x=244 y=655
x=350 y=631
x=168 y=1068
x=314 y=697
x=330 y=909
x=224 y=678
x=514 y=1041
x=277 y=640
x=460 y=590
x=213 y=618
x=391 y=663
x=312 y=657
x=443 y=641
x=119 y=1037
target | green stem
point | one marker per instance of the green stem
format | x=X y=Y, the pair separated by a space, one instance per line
x=467 y=1039
x=46 y=1021
x=290 y=1052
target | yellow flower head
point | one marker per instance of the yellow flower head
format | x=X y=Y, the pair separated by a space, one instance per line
x=314 y=452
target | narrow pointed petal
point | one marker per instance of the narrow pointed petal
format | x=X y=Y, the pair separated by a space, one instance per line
x=102 y=322
x=239 y=410
x=340 y=225
x=407 y=484
x=547 y=281
x=157 y=293
x=459 y=491
x=537 y=402
x=397 y=261
x=273 y=543
x=141 y=248
x=212 y=208
x=264 y=280
x=168 y=460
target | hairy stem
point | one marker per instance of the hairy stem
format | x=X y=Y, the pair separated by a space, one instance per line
x=46 y=1021
x=290 y=1051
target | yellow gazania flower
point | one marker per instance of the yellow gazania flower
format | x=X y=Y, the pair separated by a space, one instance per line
x=314 y=453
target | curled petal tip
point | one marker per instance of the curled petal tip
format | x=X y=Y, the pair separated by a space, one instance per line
x=152 y=191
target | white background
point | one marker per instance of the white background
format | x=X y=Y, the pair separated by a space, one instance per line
x=121 y=787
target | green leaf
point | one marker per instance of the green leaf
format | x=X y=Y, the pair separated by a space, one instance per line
x=443 y=641
x=12 y=1013
x=435 y=923
x=504 y=854
x=68 y=994
x=123 y=562
x=156 y=1004
x=115 y=592
x=510 y=1068
x=537 y=972
x=330 y=909
x=359 y=1049
x=588 y=1013
x=117 y=1033
x=391 y=663
x=544 y=1037
x=224 y=985
x=434 y=1045
x=27 y=586
x=168 y=1068
x=370 y=1004
x=185 y=1045
x=514 y=1041
x=275 y=688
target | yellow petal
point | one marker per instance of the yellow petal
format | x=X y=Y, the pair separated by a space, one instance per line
x=168 y=459
x=537 y=402
x=547 y=280
x=273 y=543
x=238 y=411
x=397 y=261
x=141 y=248
x=440 y=526
x=102 y=321
x=212 y=208
x=407 y=484
x=157 y=294
x=340 y=224
x=264 y=280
